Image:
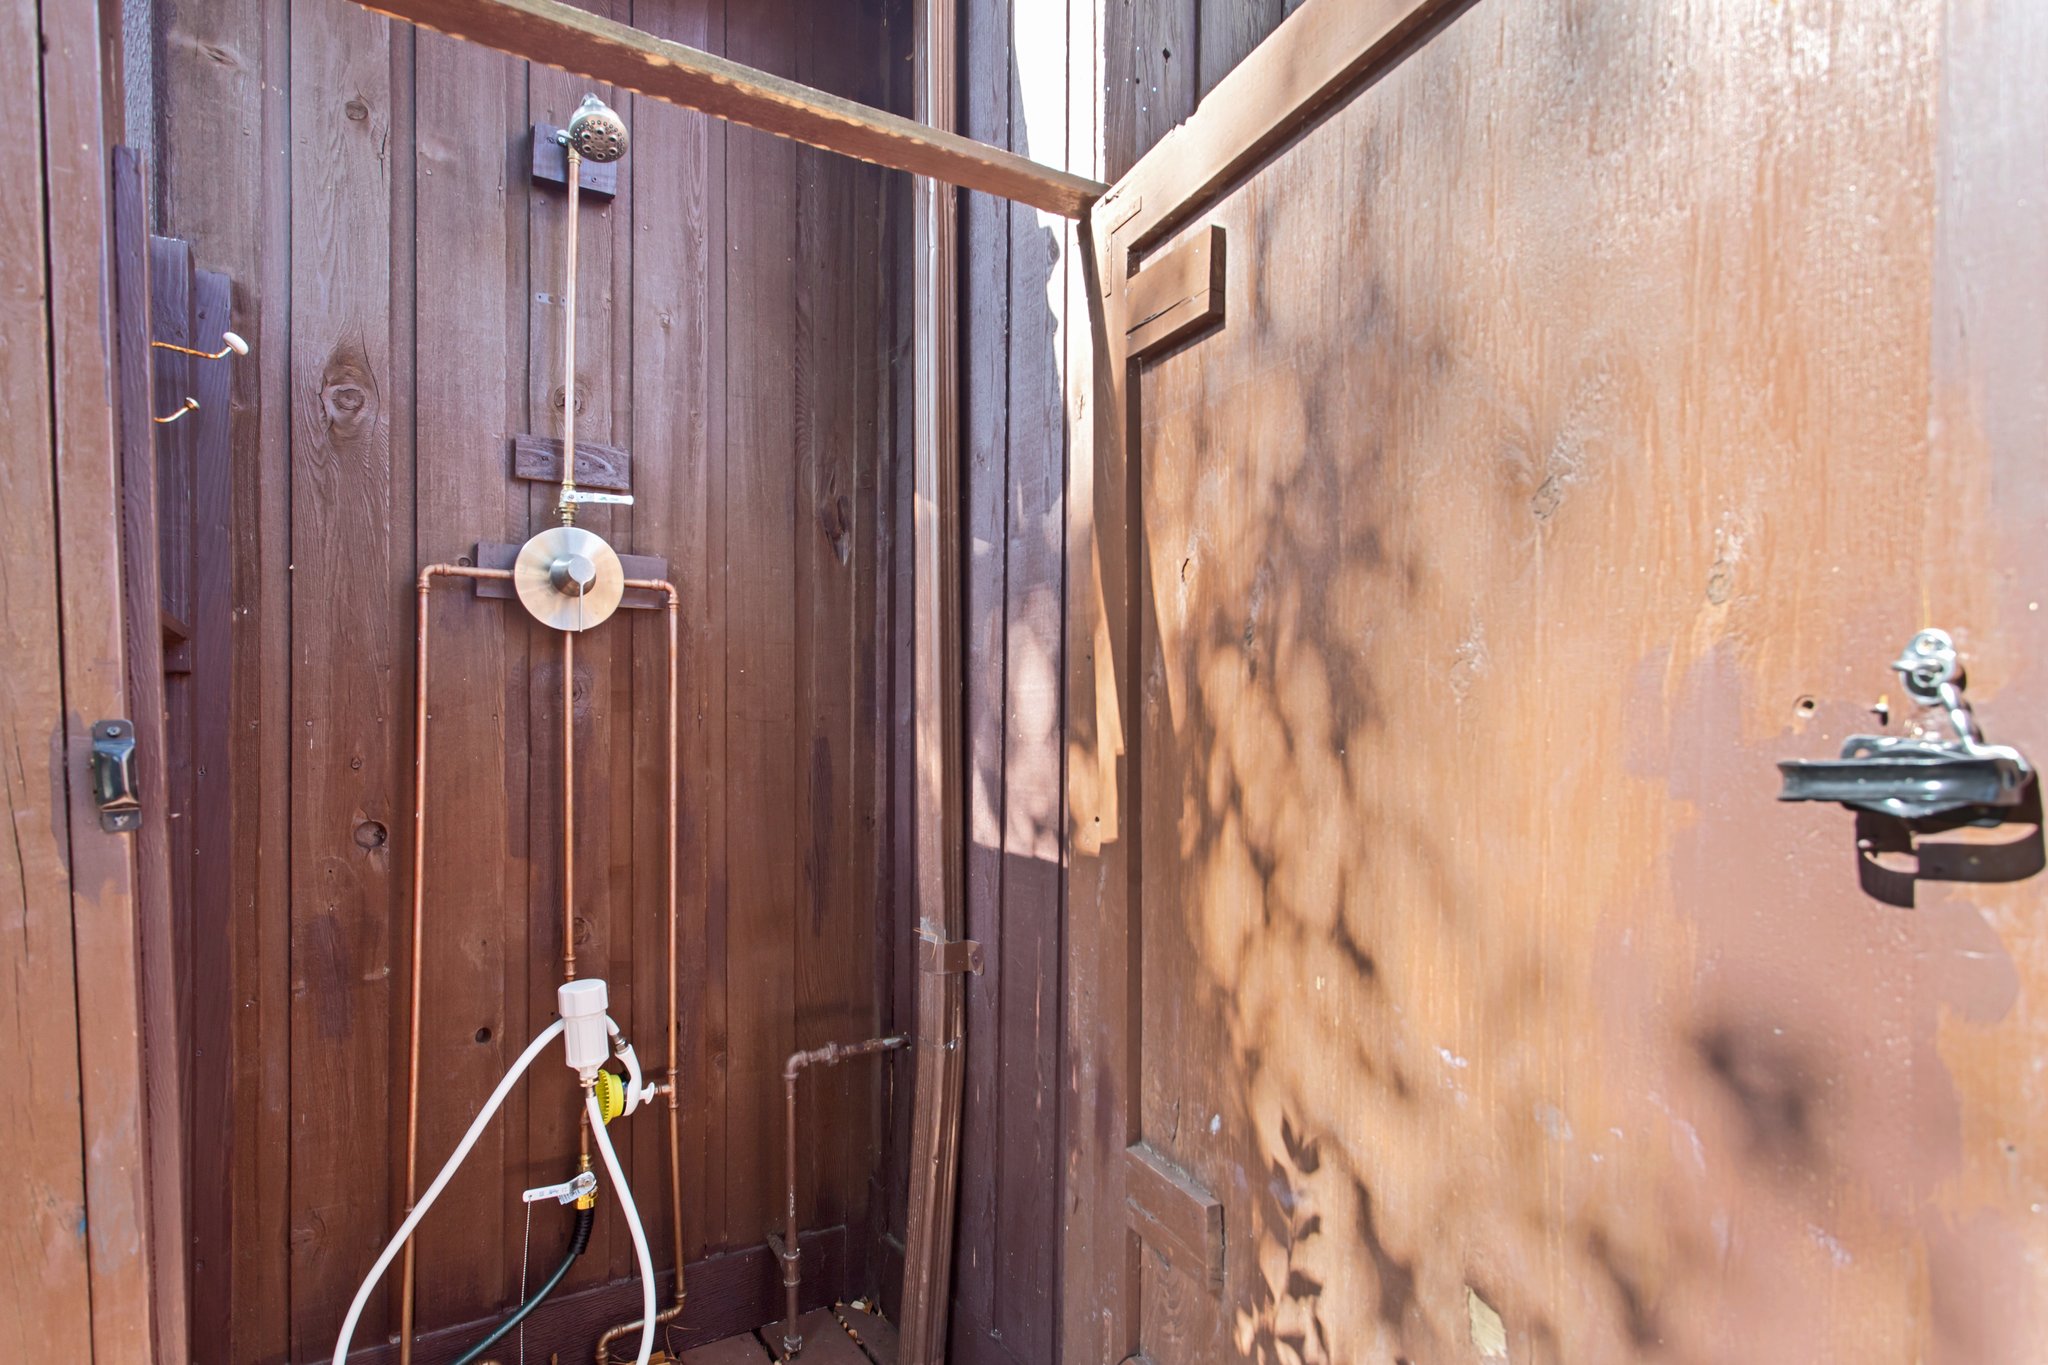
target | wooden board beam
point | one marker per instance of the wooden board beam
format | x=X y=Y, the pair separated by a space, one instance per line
x=605 y=50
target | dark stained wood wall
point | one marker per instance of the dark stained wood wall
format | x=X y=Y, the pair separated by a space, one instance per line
x=400 y=277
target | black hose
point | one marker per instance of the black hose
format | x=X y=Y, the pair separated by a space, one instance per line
x=577 y=1242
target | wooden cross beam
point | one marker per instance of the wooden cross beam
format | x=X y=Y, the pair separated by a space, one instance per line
x=556 y=34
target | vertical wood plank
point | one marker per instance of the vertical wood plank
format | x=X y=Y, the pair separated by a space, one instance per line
x=1029 y=983
x=935 y=1152
x=88 y=545
x=987 y=64
x=760 y=593
x=678 y=324
x=45 y=1242
x=833 y=977
x=215 y=960
x=553 y=1112
x=142 y=610
x=1228 y=29
x=224 y=83
x=866 y=795
x=352 y=513
x=470 y=368
x=898 y=939
x=1149 y=76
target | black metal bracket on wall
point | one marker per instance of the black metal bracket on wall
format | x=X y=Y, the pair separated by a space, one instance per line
x=551 y=165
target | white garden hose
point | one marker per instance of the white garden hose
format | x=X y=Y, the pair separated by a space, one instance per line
x=476 y=1129
x=611 y=1164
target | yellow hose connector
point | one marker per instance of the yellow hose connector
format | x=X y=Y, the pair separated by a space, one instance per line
x=611 y=1095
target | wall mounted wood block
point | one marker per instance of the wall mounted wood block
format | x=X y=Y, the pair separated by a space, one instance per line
x=491 y=555
x=609 y=468
x=551 y=165
x=1174 y=1215
x=1177 y=295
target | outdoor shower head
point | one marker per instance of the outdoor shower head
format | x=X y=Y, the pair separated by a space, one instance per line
x=596 y=132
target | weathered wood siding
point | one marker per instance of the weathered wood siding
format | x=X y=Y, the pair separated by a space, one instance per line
x=367 y=189
x=1089 y=87
x=1606 y=393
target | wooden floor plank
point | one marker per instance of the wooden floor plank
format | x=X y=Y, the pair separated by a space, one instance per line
x=740 y=1350
x=825 y=1340
x=871 y=1332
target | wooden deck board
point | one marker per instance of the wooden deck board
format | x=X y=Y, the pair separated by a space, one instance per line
x=875 y=1334
x=826 y=1341
x=740 y=1350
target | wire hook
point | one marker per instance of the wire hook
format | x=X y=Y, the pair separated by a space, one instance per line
x=189 y=405
x=230 y=342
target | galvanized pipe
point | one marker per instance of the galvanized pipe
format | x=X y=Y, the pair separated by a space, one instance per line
x=419 y=881
x=792 y=1256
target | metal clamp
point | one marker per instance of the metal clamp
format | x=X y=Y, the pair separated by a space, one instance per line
x=114 y=787
x=1914 y=778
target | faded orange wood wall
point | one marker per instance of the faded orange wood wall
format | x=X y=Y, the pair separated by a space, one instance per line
x=1606 y=394
x=400 y=277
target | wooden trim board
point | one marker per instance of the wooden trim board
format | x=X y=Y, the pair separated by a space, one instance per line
x=602 y=49
x=1317 y=53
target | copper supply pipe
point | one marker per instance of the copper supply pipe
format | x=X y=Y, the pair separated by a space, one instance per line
x=673 y=1085
x=419 y=882
x=568 y=805
x=567 y=507
x=792 y=1255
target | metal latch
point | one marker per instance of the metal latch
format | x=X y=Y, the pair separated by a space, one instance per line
x=114 y=788
x=1916 y=777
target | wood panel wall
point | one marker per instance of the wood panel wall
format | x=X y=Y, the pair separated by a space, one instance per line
x=367 y=189
x=1605 y=394
x=1089 y=87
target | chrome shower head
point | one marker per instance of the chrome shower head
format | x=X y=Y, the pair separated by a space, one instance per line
x=596 y=132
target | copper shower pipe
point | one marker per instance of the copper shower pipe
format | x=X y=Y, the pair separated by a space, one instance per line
x=791 y=1253
x=412 y=1097
x=419 y=883
x=675 y=1120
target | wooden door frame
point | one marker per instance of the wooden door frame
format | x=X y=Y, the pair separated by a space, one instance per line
x=1321 y=52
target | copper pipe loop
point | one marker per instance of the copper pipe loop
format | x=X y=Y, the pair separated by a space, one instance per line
x=419 y=880
x=408 y=1274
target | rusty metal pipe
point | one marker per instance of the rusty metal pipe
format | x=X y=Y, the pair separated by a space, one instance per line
x=791 y=1252
x=673 y=1085
x=419 y=880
